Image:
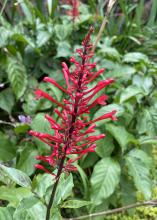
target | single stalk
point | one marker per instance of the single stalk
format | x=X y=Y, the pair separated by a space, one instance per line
x=152 y=202
x=104 y=22
x=70 y=132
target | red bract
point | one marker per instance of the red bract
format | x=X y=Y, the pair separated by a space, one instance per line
x=71 y=134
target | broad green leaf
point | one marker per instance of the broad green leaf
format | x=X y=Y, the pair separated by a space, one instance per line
x=6 y=213
x=104 y=179
x=40 y=124
x=134 y=57
x=37 y=211
x=105 y=146
x=17 y=75
x=14 y=195
x=16 y=176
x=64 y=188
x=107 y=109
x=62 y=31
x=128 y=192
x=7 y=148
x=27 y=160
x=89 y=160
x=63 y=49
x=129 y=92
x=43 y=37
x=110 y=52
x=120 y=71
x=121 y=135
x=41 y=183
x=7 y=100
x=139 y=164
x=147 y=122
x=26 y=203
x=75 y=204
x=21 y=128
x=55 y=214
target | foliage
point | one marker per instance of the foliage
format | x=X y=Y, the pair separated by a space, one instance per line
x=34 y=39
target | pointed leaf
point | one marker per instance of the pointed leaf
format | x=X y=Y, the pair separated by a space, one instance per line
x=105 y=178
x=121 y=135
x=7 y=100
x=139 y=164
x=16 y=176
x=129 y=92
x=17 y=75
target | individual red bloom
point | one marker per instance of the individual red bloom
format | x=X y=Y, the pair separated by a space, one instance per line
x=71 y=135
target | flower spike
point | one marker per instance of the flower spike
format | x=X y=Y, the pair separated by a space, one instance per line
x=72 y=134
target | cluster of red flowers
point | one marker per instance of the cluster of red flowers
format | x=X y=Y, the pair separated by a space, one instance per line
x=74 y=12
x=71 y=135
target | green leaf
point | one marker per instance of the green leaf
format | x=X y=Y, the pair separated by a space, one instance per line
x=105 y=178
x=134 y=57
x=107 y=109
x=89 y=160
x=41 y=183
x=14 y=195
x=128 y=192
x=121 y=135
x=55 y=214
x=139 y=164
x=7 y=149
x=62 y=31
x=105 y=146
x=17 y=75
x=16 y=176
x=7 y=100
x=42 y=38
x=27 y=160
x=119 y=71
x=64 y=189
x=26 y=203
x=129 y=92
x=147 y=122
x=40 y=124
x=63 y=49
x=6 y=213
x=37 y=211
x=21 y=128
x=75 y=204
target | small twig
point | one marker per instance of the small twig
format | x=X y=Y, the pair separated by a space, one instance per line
x=3 y=8
x=7 y=123
x=109 y=8
x=117 y=210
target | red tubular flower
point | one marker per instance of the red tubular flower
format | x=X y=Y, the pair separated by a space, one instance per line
x=71 y=135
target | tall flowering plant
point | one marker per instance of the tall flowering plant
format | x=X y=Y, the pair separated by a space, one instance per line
x=71 y=136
